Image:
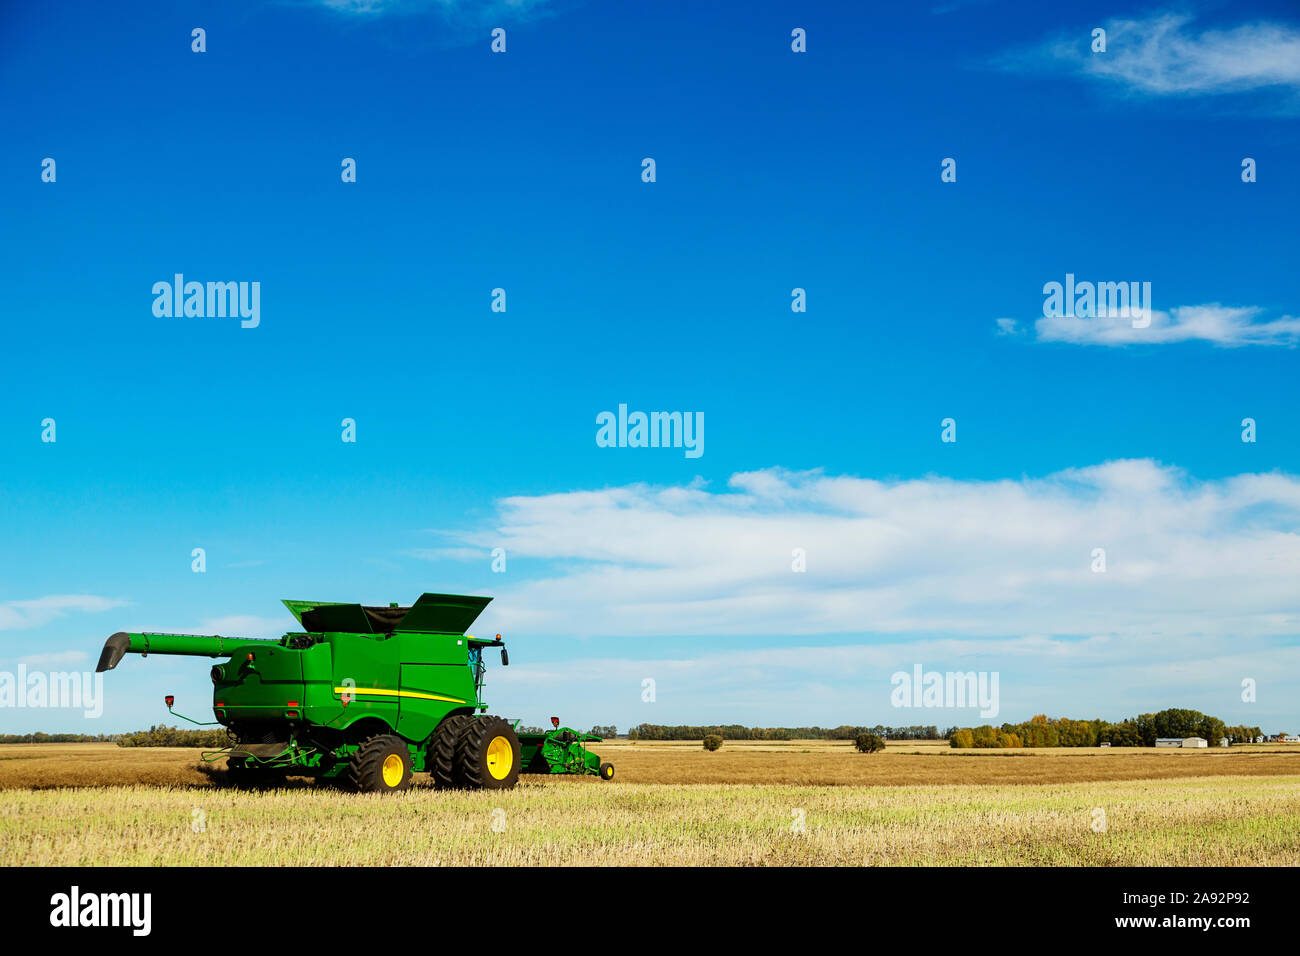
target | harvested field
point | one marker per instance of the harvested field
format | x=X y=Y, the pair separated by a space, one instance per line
x=798 y=803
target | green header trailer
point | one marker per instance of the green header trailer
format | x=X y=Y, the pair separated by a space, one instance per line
x=562 y=751
x=365 y=697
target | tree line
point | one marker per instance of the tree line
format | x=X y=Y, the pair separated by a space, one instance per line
x=163 y=736
x=43 y=738
x=604 y=732
x=1140 y=731
x=1040 y=731
x=157 y=736
x=740 y=732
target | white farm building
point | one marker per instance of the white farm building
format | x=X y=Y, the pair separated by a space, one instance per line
x=1181 y=742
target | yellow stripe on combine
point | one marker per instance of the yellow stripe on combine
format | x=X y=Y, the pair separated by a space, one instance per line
x=383 y=692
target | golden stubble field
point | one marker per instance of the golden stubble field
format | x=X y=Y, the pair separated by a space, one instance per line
x=795 y=803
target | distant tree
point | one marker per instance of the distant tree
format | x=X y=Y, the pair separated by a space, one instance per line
x=1212 y=729
x=1179 y=722
x=740 y=732
x=868 y=743
x=40 y=737
x=1140 y=731
x=1243 y=734
x=1122 y=735
x=1146 y=728
x=712 y=741
x=161 y=735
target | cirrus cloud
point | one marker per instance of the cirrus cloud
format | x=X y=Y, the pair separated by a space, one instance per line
x=1164 y=55
x=1221 y=325
x=456 y=11
x=15 y=615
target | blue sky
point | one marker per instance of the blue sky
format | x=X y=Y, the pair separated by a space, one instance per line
x=775 y=170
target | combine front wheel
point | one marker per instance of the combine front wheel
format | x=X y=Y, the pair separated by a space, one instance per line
x=488 y=755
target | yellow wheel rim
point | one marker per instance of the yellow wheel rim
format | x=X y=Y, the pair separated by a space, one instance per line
x=500 y=758
x=393 y=770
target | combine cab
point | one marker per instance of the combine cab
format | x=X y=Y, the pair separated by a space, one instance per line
x=362 y=696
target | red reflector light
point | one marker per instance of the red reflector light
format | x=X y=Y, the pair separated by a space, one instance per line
x=250 y=655
x=221 y=703
x=292 y=703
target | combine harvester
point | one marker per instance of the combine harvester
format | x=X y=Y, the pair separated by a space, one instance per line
x=365 y=697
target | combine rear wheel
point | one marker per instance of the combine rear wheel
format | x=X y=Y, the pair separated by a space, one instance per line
x=382 y=765
x=607 y=771
x=488 y=755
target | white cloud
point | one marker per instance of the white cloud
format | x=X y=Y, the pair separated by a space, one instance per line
x=55 y=659
x=462 y=11
x=15 y=615
x=831 y=684
x=924 y=557
x=1222 y=325
x=246 y=625
x=1164 y=55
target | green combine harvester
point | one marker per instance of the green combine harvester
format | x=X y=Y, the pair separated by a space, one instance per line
x=365 y=697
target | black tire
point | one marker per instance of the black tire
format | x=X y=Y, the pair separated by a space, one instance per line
x=607 y=771
x=442 y=752
x=488 y=755
x=382 y=765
